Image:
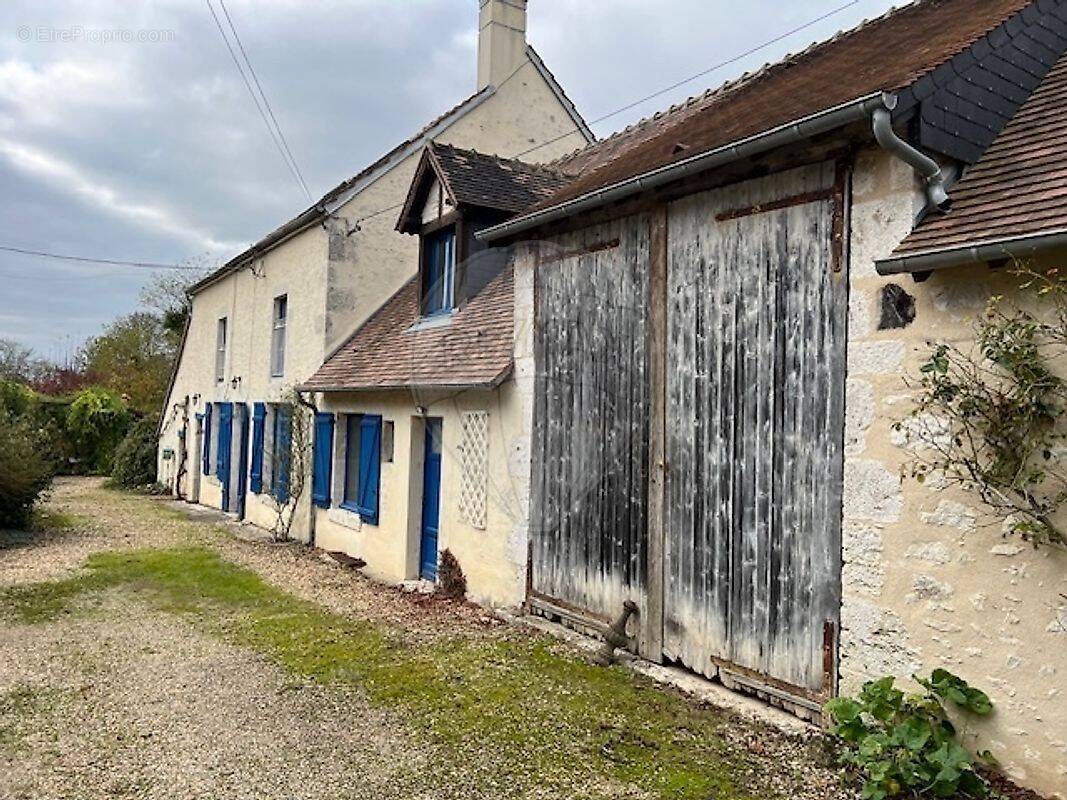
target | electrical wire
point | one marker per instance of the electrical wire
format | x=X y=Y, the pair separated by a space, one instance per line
x=659 y=92
x=266 y=102
x=88 y=260
x=259 y=106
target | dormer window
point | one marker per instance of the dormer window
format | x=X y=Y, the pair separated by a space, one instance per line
x=439 y=271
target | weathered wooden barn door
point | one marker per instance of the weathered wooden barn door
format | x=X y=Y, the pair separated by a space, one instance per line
x=588 y=509
x=755 y=396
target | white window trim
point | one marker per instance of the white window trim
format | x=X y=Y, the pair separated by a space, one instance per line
x=222 y=325
x=278 y=331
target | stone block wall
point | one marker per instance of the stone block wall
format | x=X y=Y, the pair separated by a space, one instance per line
x=929 y=579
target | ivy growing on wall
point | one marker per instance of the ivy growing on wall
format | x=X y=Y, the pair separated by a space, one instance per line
x=989 y=417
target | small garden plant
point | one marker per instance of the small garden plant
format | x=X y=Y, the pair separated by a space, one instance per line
x=904 y=745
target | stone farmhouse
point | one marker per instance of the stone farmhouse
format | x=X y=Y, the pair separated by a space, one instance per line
x=671 y=367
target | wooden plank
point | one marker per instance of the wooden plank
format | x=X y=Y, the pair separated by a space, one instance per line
x=651 y=640
x=755 y=418
x=589 y=511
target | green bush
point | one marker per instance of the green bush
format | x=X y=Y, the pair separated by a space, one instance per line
x=96 y=423
x=135 y=459
x=16 y=398
x=25 y=471
x=905 y=744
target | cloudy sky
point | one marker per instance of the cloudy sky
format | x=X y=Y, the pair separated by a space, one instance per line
x=152 y=150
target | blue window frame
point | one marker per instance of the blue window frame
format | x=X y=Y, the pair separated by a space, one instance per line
x=363 y=443
x=255 y=471
x=322 y=461
x=438 y=271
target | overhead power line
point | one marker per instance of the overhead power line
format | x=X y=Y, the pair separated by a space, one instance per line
x=701 y=74
x=263 y=107
x=659 y=92
x=105 y=261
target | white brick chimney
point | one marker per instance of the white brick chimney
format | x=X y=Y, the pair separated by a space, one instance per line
x=501 y=40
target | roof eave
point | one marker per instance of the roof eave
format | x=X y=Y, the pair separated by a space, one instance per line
x=489 y=385
x=972 y=253
x=796 y=130
x=296 y=225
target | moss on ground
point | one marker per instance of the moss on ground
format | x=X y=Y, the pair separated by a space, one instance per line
x=537 y=717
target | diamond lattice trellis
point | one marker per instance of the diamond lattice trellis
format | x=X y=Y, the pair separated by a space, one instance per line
x=474 y=453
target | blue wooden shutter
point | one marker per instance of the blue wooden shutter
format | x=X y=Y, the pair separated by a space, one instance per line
x=259 y=414
x=322 y=462
x=205 y=443
x=370 y=460
x=222 y=457
x=283 y=437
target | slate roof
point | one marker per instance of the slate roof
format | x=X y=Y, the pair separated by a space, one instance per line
x=894 y=52
x=473 y=349
x=1019 y=187
x=489 y=181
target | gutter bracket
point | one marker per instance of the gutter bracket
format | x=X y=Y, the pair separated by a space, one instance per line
x=933 y=177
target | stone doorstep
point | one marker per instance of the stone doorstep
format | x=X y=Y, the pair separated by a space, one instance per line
x=689 y=683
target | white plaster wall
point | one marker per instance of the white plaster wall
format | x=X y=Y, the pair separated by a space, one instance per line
x=493 y=561
x=927 y=582
x=334 y=280
x=368 y=266
x=295 y=268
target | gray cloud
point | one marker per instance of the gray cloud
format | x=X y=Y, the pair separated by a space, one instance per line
x=153 y=151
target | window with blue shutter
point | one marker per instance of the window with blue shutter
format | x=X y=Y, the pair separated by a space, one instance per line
x=282 y=443
x=322 y=461
x=205 y=442
x=370 y=443
x=222 y=457
x=255 y=471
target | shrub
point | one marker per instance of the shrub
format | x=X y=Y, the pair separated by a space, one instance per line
x=16 y=398
x=135 y=458
x=452 y=583
x=97 y=421
x=25 y=471
x=905 y=744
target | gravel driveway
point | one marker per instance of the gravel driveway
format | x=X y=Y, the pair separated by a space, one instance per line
x=119 y=691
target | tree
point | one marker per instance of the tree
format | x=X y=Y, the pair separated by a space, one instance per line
x=167 y=293
x=17 y=362
x=133 y=357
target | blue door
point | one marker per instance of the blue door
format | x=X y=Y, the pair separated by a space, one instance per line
x=431 y=500
x=242 y=459
x=222 y=462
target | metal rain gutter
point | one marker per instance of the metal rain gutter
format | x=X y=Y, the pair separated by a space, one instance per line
x=1014 y=247
x=790 y=132
x=929 y=170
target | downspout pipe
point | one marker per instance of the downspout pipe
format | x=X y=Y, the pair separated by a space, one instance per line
x=930 y=171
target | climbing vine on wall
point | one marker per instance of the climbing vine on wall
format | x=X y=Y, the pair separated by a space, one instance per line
x=989 y=417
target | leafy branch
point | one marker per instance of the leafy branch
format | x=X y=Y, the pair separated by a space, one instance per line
x=989 y=418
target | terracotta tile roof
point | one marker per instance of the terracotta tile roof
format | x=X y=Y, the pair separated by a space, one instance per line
x=889 y=53
x=474 y=348
x=1018 y=188
x=477 y=179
